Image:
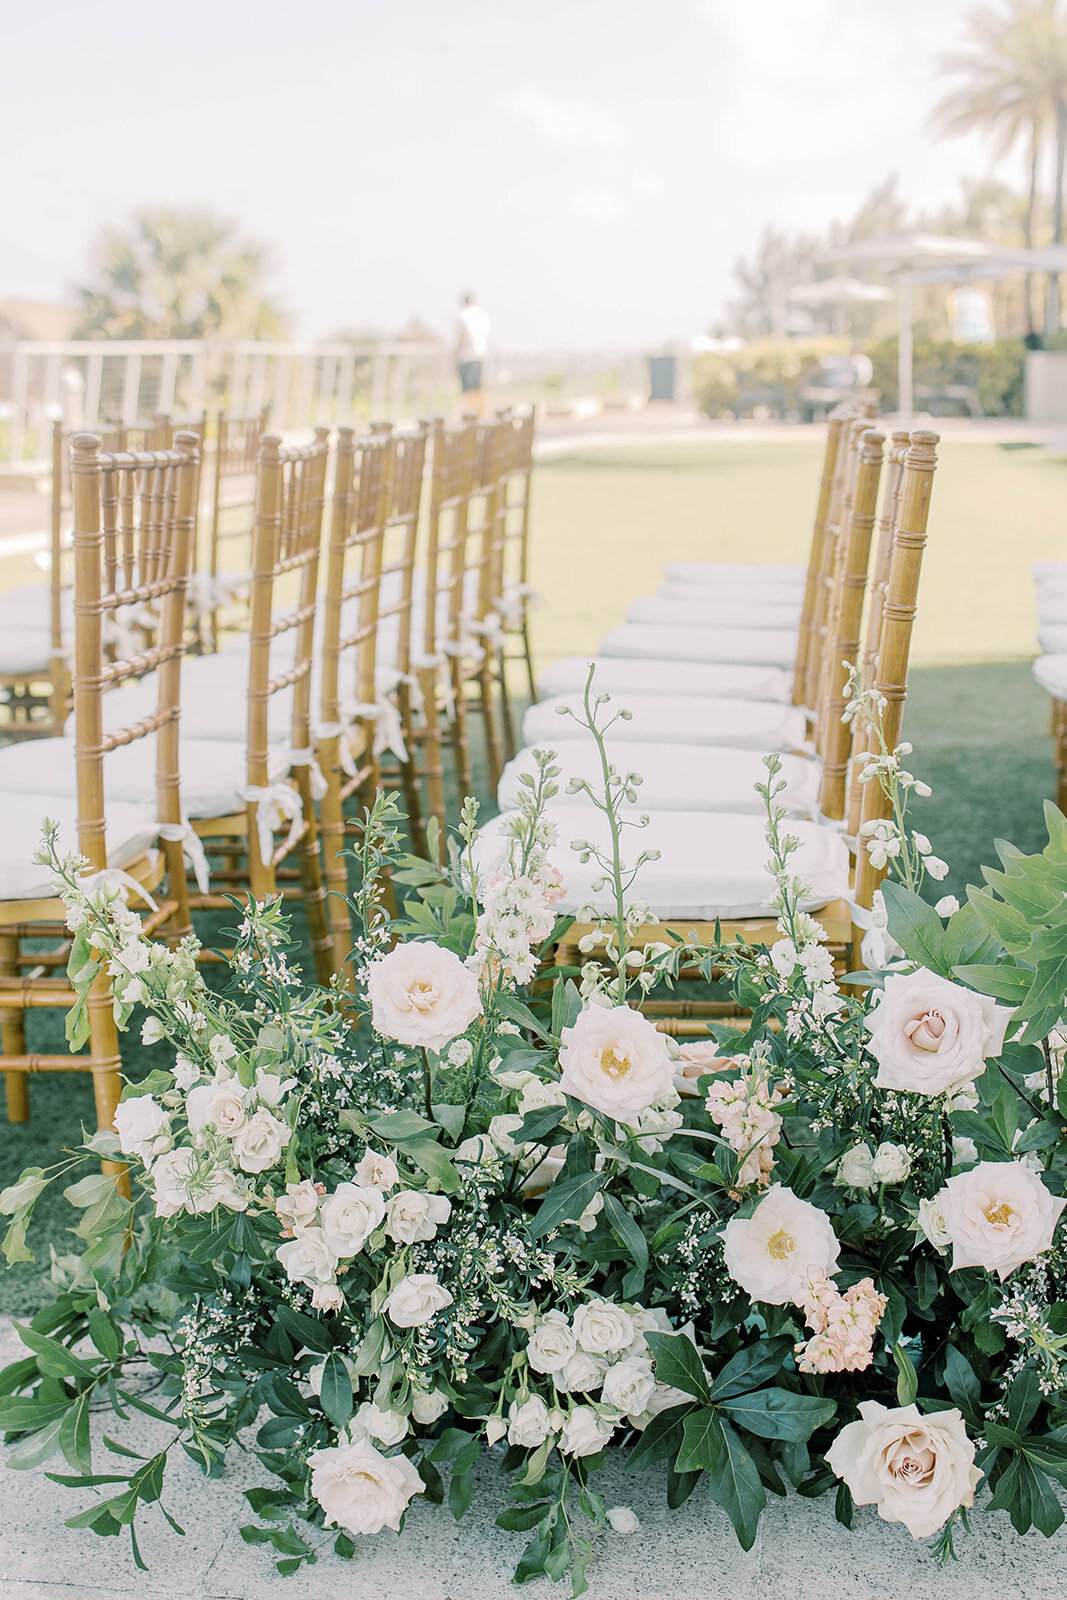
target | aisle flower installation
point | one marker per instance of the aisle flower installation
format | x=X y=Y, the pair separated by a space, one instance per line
x=468 y=1206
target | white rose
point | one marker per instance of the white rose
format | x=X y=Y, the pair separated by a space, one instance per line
x=622 y=1520
x=537 y=1095
x=271 y=1089
x=930 y=1036
x=917 y=1470
x=584 y=1432
x=416 y=1299
x=855 y=1170
x=308 y=1258
x=422 y=995
x=602 y=1329
x=413 y=1215
x=426 y=1408
x=495 y=1429
x=387 y=1427
x=349 y=1217
x=582 y=1373
x=298 y=1207
x=500 y=1131
x=219 y=1105
x=143 y=1127
x=614 y=1060
x=774 y=1253
x=377 y=1172
x=327 y=1297
x=528 y=1424
x=998 y=1215
x=932 y=1224
x=964 y=1151
x=892 y=1163
x=259 y=1144
x=551 y=1343
x=361 y=1490
x=629 y=1385
x=663 y=1398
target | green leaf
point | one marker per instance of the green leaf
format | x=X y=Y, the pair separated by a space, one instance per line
x=104 y=1334
x=14 y=1245
x=91 y=1191
x=751 y=1367
x=659 y=1440
x=629 y=1236
x=536 y=1124
x=780 y=1414
x=735 y=1485
x=74 y=1435
x=702 y=1441
x=1023 y=1397
x=20 y=1196
x=335 y=1393
x=907 y=1380
x=1002 y=982
x=520 y=1519
x=37 y=1447
x=678 y=1364
x=460 y=1493
x=305 y=1330
x=451 y=1118
x=565 y=1201
x=428 y=1154
x=961 y=1383
x=915 y=926
x=54 y=1358
x=395 y=1127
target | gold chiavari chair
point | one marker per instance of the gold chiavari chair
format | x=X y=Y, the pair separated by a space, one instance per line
x=229 y=533
x=515 y=468
x=134 y=522
x=480 y=621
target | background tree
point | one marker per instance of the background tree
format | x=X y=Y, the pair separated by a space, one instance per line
x=177 y=273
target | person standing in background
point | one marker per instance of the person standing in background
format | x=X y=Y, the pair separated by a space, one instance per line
x=472 y=348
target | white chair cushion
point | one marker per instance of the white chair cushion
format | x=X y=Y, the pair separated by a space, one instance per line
x=711 y=612
x=1051 y=673
x=1052 y=638
x=1052 y=606
x=691 y=719
x=131 y=830
x=707 y=868
x=622 y=675
x=30 y=606
x=677 y=777
x=741 y=594
x=213 y=773
x=793 y=575
x=1050 y=573
x=765 y=647
x=24 y=650
x=214 y=709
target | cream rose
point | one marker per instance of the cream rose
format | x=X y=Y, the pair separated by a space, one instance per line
x=387 y=1427
x=917 y=1470
x=416 y=1299
x=602 y=1329
x=219 y=1105
x=143 y=1128
x=298 y=1207
x=360 y=1489
x=614 y=1060
x=892 y=1163
x=997 y=1216
x=930 y=1036
x=694 y=1060
x=855 y=1170
x=308 y=1258
x=582 y=1373
x=551 y=1344
x=422 y=995
x=426 y=1408
x=528 y=1425
x=327 y=1297
x=413 y=1215
x=774 y=1253
x=377 y=1172
x=259 y=1143
x=629 y=1386
x=585 y=1432
x=349 y=1217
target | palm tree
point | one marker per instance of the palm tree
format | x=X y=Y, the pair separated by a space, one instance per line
x=181 y=273
x=1013 y=88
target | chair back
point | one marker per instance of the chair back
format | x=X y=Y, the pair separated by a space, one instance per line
x=823 y=670
x=515 y=466
x=237 y=442
x=451 y=485
x=134 y=532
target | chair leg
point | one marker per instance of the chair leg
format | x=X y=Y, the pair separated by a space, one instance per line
x=409 y=780
x=527 y=650
x=507 y=717
x=494 y=765
x=332 y=832
x=461 y=736
x=311 y=882
x=433 y=771
x=13 y=1035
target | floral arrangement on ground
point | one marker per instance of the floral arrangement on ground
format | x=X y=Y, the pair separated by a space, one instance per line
x=468 y=1202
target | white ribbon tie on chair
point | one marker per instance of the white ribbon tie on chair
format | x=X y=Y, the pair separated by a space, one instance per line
x=276 y=804
x=306 y=758
x=183 y=833
x=122 y=880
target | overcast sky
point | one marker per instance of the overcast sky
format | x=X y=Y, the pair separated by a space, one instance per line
x=591 y=167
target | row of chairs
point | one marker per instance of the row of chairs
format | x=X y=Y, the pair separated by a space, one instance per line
x=730 y=661
x=1050 y=668
x=260 y=745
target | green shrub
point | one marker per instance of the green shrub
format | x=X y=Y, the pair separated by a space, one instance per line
x=993 y=373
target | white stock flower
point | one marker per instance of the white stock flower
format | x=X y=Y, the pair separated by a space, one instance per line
x=585 y=1432
x=629 y=1385
x=551 y=1344
x=783 y=954
x=308 y=1258
x=413 y=1215
x=892 y=1163
x=930 y=1036
x=614 y=1060
x=151 y=1030
x=377 y=1172
x=775 y=1253
x=528 y=1424
x=416 y=1299
x=602 y=1329
x=422 y=995
x=349 y=1217
x=186 y=1073
x=916 y=1469
x=361 y=1490
x=387 y=1427
x=219 y=1104
x=143 y=1127
x=998 y=1215
x=260 y=1142
x=855 y=1170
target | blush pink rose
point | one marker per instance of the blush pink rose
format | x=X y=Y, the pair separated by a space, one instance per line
x=930 y=1036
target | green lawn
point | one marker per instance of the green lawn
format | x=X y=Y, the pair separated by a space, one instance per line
x=605 y=522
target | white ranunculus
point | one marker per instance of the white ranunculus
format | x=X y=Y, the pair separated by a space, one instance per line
x=581 y=1374
x=298 y=1207
x=422 y=995
x=916 y=1469
x=413 y=1215
x=775 y=1253
x=931 y=1036
x=143 y=1127
x=387 y=1427
x=855 y=1170
x=622 y=1520
x=551 y=1344
x=585 y=1432
x=614 y=1060
x=629 y=1385
x=528 y=1423
x=998 y=1215
x=349 y=1217
x=892 y=1163
x=426 y=1408
x=603 y=1329
x=932 y=1223
x=361 y=1490
x=219 y=1104
x=416 y=1299
x=377 y=1172
x=260 y=1142
x=308 y=1258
